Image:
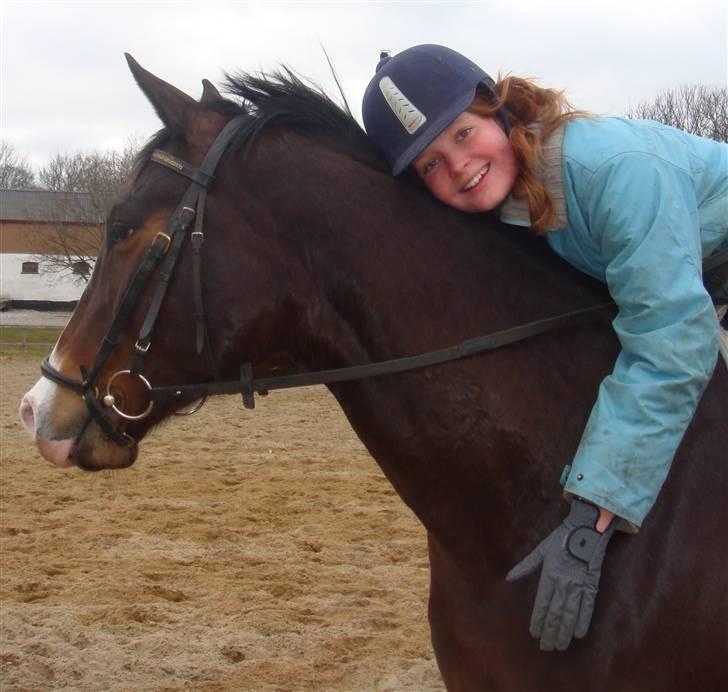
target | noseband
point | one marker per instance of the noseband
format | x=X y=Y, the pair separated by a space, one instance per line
x=165 y=250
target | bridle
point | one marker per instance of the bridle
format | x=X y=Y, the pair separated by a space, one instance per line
x=165 y=250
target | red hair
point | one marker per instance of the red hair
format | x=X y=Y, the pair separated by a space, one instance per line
x=528 y=105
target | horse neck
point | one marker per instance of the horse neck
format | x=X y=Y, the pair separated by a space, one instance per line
x=392 y=273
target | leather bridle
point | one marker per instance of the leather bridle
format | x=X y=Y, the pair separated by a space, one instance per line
x=165 y=250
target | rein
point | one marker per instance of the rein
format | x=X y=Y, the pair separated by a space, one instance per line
x=167 y=246
x=247 y=386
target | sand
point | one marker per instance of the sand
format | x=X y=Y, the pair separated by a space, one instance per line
x=245 y=550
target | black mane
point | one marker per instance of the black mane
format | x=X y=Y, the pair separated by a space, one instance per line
x=283 y=99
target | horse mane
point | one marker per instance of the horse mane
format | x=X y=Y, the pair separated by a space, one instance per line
x=283 y=99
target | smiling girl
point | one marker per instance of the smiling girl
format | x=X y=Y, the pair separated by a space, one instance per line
x=635 y=204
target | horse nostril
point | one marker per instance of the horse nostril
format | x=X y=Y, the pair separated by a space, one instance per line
x=27 y=415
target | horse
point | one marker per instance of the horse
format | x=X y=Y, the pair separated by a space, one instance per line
x=311 y=256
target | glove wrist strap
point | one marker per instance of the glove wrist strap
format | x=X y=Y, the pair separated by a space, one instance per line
x=582 y=543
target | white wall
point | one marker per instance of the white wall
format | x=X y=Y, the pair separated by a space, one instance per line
x=45 y=286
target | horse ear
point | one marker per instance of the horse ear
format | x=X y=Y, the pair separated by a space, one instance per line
x=173 y=106
x=209 y=93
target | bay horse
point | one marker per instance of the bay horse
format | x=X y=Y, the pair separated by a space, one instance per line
x=315 y=257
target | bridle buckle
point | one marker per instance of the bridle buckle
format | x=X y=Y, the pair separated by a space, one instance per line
x=141 y=348
x=166 y=238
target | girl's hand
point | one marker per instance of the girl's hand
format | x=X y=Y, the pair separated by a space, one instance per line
x=570 y=560
x=605 y=518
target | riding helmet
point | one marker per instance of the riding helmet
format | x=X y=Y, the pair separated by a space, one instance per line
x=415 y=95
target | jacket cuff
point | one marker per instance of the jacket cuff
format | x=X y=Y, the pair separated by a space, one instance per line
x=623 y=525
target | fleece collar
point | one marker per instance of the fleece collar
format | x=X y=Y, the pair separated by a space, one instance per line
x=515 y=211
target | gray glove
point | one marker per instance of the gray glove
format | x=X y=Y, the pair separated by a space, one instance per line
x=572 y=559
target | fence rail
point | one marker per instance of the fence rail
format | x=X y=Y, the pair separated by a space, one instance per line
x=26 y=348
x=27 y=339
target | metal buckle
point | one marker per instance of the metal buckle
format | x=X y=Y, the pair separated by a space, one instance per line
x=198 y=237
x=167 y=241
x=130 y=441
x=142 y=349
x=185 y=218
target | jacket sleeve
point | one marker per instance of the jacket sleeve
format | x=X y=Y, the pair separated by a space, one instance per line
x=642 y=212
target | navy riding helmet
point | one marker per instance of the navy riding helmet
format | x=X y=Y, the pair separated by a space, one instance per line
x=415 y=95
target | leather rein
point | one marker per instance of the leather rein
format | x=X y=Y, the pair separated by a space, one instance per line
x=165 y=251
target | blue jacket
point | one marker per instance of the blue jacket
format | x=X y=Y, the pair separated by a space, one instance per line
x=639 y=205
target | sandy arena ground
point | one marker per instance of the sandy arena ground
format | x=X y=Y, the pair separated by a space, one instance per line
x=245 y=550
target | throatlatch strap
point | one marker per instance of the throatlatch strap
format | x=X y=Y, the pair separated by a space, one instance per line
x=197 y=240
x=202 y=336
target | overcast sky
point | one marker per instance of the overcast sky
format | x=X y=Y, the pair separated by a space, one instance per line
x=65 y=86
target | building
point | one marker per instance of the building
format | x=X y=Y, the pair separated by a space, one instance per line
x=47 y=244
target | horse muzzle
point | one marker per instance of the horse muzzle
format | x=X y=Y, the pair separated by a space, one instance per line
x=65 y=434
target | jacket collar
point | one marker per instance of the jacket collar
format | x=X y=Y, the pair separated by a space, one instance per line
x=515 y=211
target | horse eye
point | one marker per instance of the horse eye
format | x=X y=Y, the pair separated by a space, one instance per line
x=120 y=231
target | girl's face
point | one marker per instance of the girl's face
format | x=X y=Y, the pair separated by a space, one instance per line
x=470 y=165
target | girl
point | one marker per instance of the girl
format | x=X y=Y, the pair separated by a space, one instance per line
x=635 y=204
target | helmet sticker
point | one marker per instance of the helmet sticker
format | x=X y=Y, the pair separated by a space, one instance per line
x=407 y=113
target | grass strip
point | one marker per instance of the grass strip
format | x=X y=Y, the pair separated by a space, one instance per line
x=33 y=341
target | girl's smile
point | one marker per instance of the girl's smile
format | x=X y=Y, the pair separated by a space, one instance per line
x=470 y=165
x=473 y=184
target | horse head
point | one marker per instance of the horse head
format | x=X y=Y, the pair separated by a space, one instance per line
x=136 y=322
